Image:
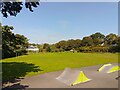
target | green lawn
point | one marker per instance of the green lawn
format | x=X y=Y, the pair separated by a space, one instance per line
x=32 y=64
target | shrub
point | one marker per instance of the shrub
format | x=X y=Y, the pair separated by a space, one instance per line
x=93 y=49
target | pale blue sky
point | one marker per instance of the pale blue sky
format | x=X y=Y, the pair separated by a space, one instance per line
x=52 y=22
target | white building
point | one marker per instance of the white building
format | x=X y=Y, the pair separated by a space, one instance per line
x=33 y=48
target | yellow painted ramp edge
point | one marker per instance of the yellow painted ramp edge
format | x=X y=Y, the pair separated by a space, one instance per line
x=114 y=69
x=104 y=67
x=81 y=79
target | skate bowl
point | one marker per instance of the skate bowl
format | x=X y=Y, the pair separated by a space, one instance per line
x=72 y=77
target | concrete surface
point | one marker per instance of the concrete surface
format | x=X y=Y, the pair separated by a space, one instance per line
x=48 y=80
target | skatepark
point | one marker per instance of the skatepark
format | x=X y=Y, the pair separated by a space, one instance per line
x=97 y=79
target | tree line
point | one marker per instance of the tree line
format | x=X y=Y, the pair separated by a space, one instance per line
x=97 y=42
x=16 y=44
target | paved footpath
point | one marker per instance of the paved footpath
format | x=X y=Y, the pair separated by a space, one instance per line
x=48 y=80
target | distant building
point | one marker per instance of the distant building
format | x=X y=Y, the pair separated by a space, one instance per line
x=33 y=48
x=102 y=44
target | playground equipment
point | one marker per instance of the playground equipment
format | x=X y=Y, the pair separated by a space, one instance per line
x=72 y=77
x=109 y=68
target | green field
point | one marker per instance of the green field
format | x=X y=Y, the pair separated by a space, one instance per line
x=32 y=64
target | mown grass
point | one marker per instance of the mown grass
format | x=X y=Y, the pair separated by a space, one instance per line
x=48 y=62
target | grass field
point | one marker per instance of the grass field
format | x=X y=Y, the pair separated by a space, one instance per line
x=32 y=64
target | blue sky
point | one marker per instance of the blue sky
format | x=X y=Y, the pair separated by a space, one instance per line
x=52 y=22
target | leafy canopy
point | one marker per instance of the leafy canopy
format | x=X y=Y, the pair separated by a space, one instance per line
x=13 y=7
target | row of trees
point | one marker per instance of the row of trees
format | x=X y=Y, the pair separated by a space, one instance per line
x=12 y=44
x=94 y=43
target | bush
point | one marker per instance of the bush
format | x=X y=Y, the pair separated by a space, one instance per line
x=114 y=49
x=84 y=49
x=100 y=49
x=93 y=49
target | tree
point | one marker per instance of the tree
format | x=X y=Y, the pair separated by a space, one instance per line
x=118 y=41
x=48 y=49
x=111 y=39
x=0 y=41
x=98 y=38
x=62 y=44
x=116 y=45
x=45 y=46
x=87 y=41
x=12 y=8
x=12 y=43
x=70 y=44
x=21 y=43
x=0 y=33
x=77 y=43
x=7 y=43
x=73 y=44
x=54 y=49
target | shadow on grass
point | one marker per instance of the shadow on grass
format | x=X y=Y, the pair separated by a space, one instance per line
x=14 y=71
x=15 y=87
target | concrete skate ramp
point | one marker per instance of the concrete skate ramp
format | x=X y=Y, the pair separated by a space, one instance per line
x=72 y=77
x=109 y=68
x=105 y=68
x=114 y=69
